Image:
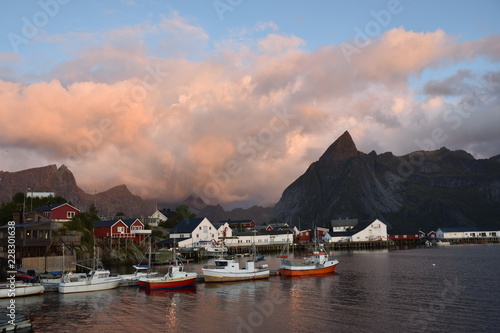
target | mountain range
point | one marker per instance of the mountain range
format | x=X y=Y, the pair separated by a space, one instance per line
x=421 y=190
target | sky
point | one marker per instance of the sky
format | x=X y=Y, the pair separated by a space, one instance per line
x=232 y=100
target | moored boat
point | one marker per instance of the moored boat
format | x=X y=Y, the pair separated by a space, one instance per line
x=228 y=270
x=176 y=277
x=95 y=280
x=318 y=262
x=20 y=288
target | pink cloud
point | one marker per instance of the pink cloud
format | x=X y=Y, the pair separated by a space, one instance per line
x=270 y=107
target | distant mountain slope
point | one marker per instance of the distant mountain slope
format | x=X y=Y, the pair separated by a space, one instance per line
x=62 y=182
x=419 y=190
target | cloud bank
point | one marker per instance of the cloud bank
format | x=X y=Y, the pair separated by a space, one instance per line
x=156 y=108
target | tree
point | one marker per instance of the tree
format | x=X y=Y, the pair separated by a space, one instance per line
x=181 y=212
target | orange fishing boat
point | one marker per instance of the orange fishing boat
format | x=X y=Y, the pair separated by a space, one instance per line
x=318 y=262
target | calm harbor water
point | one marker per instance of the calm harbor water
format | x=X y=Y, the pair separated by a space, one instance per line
x=437 y=289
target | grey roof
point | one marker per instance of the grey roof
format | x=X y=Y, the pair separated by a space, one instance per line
x=47 y=208
x=186 y=226
x=168 y=241
x=357 y=228
x=344 y=223
x=217 y=225
x=237 y=221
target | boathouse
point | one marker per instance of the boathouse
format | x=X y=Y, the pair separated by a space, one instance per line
x=467 y=232
x=268 y=238
x=190 y=233
x=364 y=231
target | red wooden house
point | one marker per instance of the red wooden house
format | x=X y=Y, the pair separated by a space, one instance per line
x=56 y=212
x=305 y=236
x=120 y=229
x=240 y=224
x=263 y=228
x=403 y=237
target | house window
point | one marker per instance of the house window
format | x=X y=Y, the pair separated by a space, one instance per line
x=121 y=230
x=493 y=234
x=70 y=215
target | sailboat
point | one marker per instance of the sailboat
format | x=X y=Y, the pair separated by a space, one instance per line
x=141 y=271
x=226 y=270
x=318 y=262
x=97 y=279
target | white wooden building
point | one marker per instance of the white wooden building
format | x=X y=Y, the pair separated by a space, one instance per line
x=245 y=238
x=190 y=232
x=362 y=232
x=467 y=232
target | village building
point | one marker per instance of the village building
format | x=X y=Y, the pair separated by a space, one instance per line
x=159 y=216
x=269 y=238
x=117 y=229
x=467 y=232
x=241 y=224
x=36 y=246
x=56 y=212
x=265 y=227
x=404 y=237
x=365 y=231
x=191 y=233
x=223 y=229
x=342 y=225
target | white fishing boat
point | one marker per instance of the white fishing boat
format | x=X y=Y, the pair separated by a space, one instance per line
x=226 y=270
x=214 y=249
x=96 y=279
x=20 y=288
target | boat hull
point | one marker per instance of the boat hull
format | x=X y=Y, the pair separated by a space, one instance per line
x=301 y=270
x=22 y=289
x=88 y=286
x=169 y=284
x=232 y=276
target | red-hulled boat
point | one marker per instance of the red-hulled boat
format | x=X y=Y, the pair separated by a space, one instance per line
x=318 y=262
x=176 y=277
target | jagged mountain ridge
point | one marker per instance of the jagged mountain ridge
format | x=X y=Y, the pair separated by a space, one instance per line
x=62 y=182
x=418 y=190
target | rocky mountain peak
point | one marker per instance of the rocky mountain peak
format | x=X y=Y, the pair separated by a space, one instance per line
x=342 y=149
